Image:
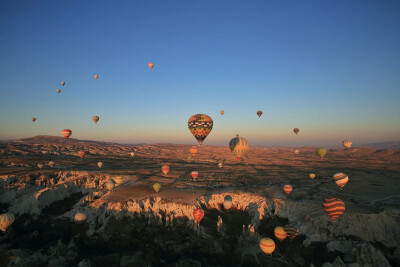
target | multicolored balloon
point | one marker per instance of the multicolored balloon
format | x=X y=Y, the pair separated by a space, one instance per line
x=321 y=152
x=6 y=219
x=287 y=188
x=198 y=214
x=200 y=125
x=340 y=179
x=296 y=130
x=95 y=119
x=238 y=146
x=81 y=154
x=347 y=143
x=259 y=113
x=193 y=150
x=291 y=232
x=165 y=169
x=194 y=175
x=280 y=233
x=66 y=133
x=157 y=187
x=151 y=65
x=267 y=245
x=334 y=207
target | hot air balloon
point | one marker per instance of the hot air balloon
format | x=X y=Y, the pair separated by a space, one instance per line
x=194 y=175
x=194 y=150
x=296 y=151
x=312 y=175
x=62 y=83
x=132 y=154
x=110 y=185
x=280 y=233
x=238 y=146
x=80 y=217
x=51 y=164
x=118 y=180
x=6 y=219
x=220 y=164
x=334 y=207
x=227 y=202
x=198 y=214
x=58 y=91
x=100 y=164
x=267 y=245
x=222 y=112
x=321 y=152
x=96 y=76
x=287 y=188
x=259 y=113
x=33 y=119
x=66 y=133
x=151 y=65
x=296 y=130
x=40 y=165
x=291 y=232
x=95 y=119
x=157 y=187
x=165 y=169
x=200 y=125
x=347 y=144
x=81 y=154
x=340 y=179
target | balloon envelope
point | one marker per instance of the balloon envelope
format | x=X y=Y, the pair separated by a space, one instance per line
x=287 y=188
x=81 y=154
x=80 y=217
x=132 y=154
x=198 y=214
x=96 y=76
x=340 y=179
x=151 y=65
x=118 y=180
x=222 y=112
x=220 y=165
x=291 y=232
x=110 y=185
x=62 y=83
x=66 y=133
x=259 y=113
x=296 y=130
x=347 y=144
x=95 y=119
x=58 y=91
x=157 y=187
x=334 y=207
x=200 y=125
x=321 y=152
x=100 y=164
x=40 y=165
x=51 y=164
x=238 y=146
x=280 y=233
x=227 y=202
x=194 y=174
x=33 y=119
x=194 y=150
x=6 y=219
x=312 y=175
x=267 y=245
x=165 y=169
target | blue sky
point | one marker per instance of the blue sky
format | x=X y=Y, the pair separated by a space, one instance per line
x=330 y=68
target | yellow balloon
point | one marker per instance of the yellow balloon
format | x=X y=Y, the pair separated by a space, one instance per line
x=157 y=187
x=312 y=175
x=280 y=233
x=118 y=180
x=267 y=245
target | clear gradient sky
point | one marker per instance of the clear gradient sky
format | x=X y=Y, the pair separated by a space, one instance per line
x=330 y=68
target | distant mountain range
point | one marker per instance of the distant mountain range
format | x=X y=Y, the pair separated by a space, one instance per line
x=383 y=145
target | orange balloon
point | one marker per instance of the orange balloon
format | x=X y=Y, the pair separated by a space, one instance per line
x=66 y=133
x=198 y=214
x=165 y=169
x=151 y=65
x=287 y=188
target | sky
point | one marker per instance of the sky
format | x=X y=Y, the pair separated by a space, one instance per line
x=329 y=68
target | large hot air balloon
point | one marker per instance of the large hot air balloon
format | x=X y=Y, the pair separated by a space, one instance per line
x=165 y=169
x=66 y=133
x=194 y=150
x=334 y=207
x=6 y=219
x=80 y=217
x=40 y=165
x=81 y=154
x=200 y=125
x=96 y=76
x=296 y=130
x=287 y=188
x=280 y=233
x=157 y=187
x=340 y=179
x=198 y=214
x=267 y=245
x=321 y=152
x=291 y=232
x=110 y=185
x=33 y=119
x=194 y=175
x=151 y=65
x=222 y=112
x=100 y=164
x=311 y=175
x=95 y=119
x=227 y=202
x=347 y=144
x=259 y=113
x=51 y=164
x=63 y=83
x=58 y=91
x=238 y=146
